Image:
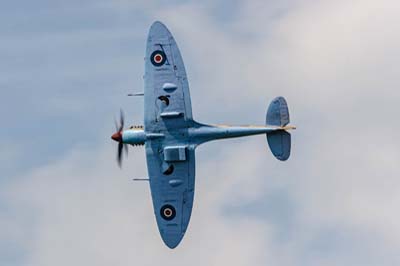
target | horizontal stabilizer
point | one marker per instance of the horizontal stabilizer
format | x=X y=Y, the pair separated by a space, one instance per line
x=279 y=141
x=278 y=112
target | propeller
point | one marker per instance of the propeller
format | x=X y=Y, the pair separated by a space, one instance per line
x=117 y=136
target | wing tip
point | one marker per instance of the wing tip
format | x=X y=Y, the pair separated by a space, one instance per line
x=159 y=30
x=172 y=240
x=157 y=22
x=158 y=25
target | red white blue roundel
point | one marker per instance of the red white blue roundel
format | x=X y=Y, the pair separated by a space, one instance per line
x=168 y=212
x=158 y=58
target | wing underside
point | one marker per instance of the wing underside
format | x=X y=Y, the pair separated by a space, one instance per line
x=166 y=92
x=172 y=189
x=170 y=160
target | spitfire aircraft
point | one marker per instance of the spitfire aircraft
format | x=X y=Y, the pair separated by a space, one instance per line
x=170 y=134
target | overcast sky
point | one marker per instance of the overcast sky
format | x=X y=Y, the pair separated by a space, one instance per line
x=66 y=67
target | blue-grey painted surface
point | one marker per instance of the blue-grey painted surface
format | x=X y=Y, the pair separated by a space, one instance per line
x=279 y=141
x=171 y=135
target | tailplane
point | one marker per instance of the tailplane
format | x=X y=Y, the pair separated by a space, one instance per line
x=279 y=141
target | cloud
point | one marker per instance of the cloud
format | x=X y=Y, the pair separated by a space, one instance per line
x=83 y=210
x=333 y=203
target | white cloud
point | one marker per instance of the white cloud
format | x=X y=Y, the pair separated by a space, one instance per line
x=336 y=63
x=83 y=210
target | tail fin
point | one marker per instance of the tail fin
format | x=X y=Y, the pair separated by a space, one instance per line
x=279 y=141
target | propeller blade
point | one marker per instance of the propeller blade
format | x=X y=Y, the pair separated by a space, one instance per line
x=119 y=155
x=121 y=120
x=116 y=124
x=118 y=137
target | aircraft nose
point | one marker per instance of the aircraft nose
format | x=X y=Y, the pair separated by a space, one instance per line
x=117 y=136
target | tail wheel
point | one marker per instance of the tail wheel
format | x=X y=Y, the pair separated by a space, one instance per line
x=167 y=212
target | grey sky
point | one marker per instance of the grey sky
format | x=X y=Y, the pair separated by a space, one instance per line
x=66 y=68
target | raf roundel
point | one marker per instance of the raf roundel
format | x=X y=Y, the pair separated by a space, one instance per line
x=158 y=58
x=168 y=212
